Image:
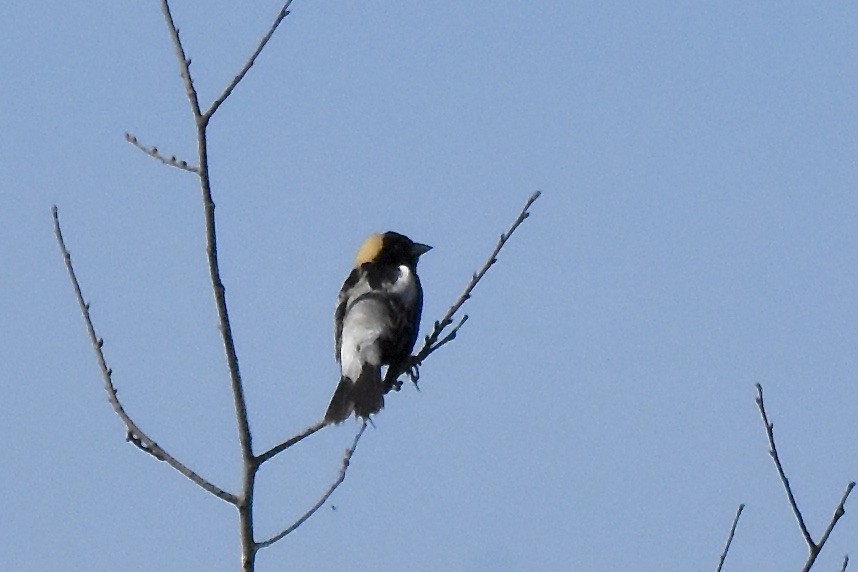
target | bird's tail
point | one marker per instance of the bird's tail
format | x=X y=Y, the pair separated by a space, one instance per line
x=364 y=396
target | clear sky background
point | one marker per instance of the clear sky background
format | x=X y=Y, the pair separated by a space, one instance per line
x=697 y=234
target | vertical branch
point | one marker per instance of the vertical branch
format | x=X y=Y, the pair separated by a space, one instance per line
x=201 y=121
x=249 y=466
x=249 y=547
x=244 y=435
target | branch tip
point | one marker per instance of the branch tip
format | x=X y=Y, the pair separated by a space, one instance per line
x=284 y=11
x=434 y=339
x=730 y=537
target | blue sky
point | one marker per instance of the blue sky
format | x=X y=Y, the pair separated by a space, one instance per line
x=696 y=235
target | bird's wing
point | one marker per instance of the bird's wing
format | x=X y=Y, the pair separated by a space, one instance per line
x=405 y=329
x=343 y=298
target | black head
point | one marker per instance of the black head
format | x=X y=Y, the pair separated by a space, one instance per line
x=390 y=248
x=399 y=249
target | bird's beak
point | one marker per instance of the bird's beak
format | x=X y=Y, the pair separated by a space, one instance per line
x=420 y=249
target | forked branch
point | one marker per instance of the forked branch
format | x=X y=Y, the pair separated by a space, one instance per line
x=434 y=340
x=813 y=548
x=134 y=434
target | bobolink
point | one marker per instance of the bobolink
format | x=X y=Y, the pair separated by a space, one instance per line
x=376 y=323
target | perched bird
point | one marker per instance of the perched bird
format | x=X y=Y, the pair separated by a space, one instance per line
x=376 y=323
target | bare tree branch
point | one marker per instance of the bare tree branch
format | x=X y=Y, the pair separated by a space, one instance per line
x=134 y=434
x=250 y=61
x=434 y=341
x=838 y=513
x=347 y=456
x=172 y=161
x=845 y=563
x=773 y=453
x=289 y=442
x=449 y=337
x=184 y=62
x=813 y=548
x=730 y=538
x=249 y=462
x=245 y=438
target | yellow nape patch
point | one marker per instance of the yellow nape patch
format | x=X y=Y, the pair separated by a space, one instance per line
x=369 y=249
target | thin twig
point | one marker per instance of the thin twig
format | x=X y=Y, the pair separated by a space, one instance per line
x=249 y=63
x=838 y=513
x=452 y=335
x=730 y=538
x=434 y=341
x=172 y=161
x=184 y=62
x=347 y=456
x=289 y=442
x=134 y=434
x=773 y=452
x=845 y=563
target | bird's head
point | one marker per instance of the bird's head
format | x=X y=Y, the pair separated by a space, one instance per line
x=390 y=248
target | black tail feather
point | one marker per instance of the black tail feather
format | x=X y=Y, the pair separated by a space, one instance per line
x=341 y=404
x=365 y=396
x=368 y=392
